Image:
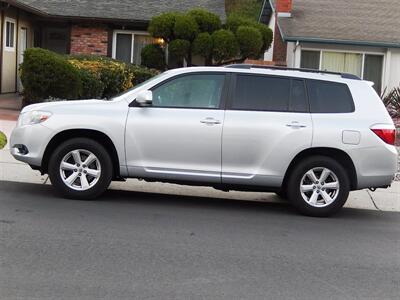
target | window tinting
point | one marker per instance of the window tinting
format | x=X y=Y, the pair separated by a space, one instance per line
x=191 y=91
x=329 y=97
x=298 y=99
x=310 y=59
x=261 y=93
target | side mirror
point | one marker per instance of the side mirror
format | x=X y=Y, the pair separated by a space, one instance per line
x=144 y=98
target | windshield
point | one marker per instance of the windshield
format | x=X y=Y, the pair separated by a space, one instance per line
x=138 y=86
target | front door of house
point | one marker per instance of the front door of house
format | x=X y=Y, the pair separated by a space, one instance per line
x=23 y=44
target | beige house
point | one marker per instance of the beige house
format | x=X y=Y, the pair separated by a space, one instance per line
x=114 y=28
x=16 y=36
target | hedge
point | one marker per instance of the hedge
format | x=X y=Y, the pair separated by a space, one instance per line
x=47 y=75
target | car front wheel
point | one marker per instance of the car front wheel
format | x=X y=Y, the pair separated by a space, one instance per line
x=80 y=168
x=318 y=186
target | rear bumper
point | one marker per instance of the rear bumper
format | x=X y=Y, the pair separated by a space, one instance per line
x=375 y=166
x=28 y=143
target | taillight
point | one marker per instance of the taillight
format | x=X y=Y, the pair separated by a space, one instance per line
x=387 y=135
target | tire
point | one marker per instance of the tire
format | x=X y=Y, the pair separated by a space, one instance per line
x=72 y=178
x=314 y=196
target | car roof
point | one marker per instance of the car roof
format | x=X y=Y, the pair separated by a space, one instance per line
x=274 y=71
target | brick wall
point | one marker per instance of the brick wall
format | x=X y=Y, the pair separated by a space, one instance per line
x=280 y=47
x=89 y=39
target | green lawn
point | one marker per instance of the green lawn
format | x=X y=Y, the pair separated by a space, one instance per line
x=3 y=140
x=248 y=8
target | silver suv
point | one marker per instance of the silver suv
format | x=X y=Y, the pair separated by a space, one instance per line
x=309 y=136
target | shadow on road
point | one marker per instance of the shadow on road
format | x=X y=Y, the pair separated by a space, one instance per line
x=128 y=199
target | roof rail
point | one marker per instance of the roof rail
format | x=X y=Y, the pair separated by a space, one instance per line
x=248 y=66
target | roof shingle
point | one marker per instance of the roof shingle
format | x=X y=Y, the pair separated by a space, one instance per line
x=353 y=21
x=135 y=10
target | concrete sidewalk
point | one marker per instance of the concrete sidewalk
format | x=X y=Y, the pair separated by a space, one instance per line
x=12 y=170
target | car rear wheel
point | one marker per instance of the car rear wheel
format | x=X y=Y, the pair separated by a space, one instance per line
x=318 y=186
x=80 y=168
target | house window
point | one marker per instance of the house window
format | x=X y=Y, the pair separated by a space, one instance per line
x=310 y=59
x=127 y=46
x=366 y=66
x=373 y=66
x=9 y=35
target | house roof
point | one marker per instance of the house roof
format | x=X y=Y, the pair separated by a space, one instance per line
x=363 y=22
x=132 y=10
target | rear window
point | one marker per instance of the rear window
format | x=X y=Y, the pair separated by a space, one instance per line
x=329 y=97
x=267 y=93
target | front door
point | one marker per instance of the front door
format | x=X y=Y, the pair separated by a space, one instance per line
x=23 y=44
x=179 y=136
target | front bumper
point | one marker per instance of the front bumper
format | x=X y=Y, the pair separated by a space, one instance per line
x=28 y=143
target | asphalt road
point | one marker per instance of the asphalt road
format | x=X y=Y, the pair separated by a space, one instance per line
x=152 y=246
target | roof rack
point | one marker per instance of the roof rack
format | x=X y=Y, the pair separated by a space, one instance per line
x=249 y=66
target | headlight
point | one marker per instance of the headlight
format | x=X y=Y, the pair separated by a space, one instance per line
x=33 y=117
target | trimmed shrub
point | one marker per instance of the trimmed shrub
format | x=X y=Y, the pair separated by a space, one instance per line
x=267 y=36
x=234 y=21
x=141 y=74
x=153 y=57
x=250 y=41
x=202 y=45
x=206 y=21
x=92 y=86
x=179 y=49
x=225 y=45
x=114 y=75
x=46 y=74
x=162 y=26
x=185 y=28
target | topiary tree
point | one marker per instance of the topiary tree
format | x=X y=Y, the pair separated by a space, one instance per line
x=179 y=49
x=250 y=41
x=199 y=32
x=206 y=21
x=203 y=46
x=162 y=26
x=185 y=28
x=267 y=36
x=153 y=57
x=225 y=45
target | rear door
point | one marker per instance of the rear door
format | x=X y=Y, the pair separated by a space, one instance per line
x=267 y=122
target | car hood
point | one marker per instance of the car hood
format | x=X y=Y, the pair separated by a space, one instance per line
x=71 y=104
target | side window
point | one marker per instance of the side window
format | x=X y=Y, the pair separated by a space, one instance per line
x=261 y=93
x=329 y=97
x=190 y=91
x=298 y=98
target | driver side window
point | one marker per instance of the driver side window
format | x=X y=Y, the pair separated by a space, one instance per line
x=190 y=91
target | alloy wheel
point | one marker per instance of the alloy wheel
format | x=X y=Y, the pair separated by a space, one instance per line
x=319 y=187
x=80 y=170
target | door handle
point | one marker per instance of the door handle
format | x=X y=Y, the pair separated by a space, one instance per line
x=210 y=121
x=296 y=125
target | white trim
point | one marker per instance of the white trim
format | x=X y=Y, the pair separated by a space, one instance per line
x=13 y=21
x=128 y=32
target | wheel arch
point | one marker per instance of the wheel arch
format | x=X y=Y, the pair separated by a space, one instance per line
x=95 y=135
x=339 y=155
